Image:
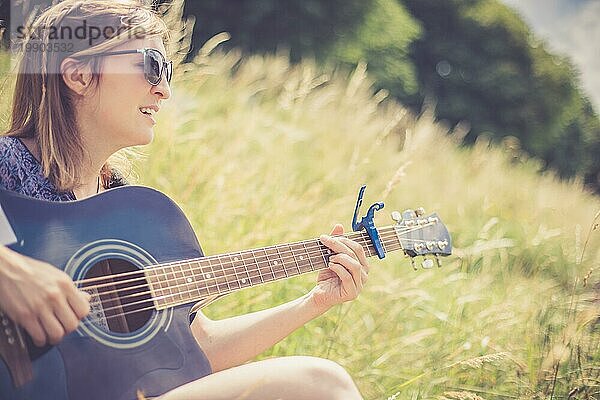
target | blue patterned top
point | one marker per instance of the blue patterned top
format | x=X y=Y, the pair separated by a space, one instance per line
x=21 y=172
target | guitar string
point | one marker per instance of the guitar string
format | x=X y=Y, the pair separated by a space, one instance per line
x=206 y=287
x=217 y=278
x=175 y=263
x=210 y=283
x=217 y=285
x=258 y=275
x=306 y=250
x=88 y=320
x=224 y=271
x=181 y=263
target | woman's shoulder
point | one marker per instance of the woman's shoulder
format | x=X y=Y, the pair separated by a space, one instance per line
x=21 y=172
x=16 y=163
x=9 y=144
x=12 y=150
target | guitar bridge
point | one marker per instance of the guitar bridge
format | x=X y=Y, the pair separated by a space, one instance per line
x=13 y=350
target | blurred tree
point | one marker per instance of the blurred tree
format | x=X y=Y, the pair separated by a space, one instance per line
x=306 y=27
x=378 y=32
x=383 y=41
x=347 y=31
x=480 y=63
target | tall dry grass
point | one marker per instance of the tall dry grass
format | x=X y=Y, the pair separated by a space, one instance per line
x=259 y=151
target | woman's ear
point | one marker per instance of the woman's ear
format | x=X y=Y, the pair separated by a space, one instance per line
x=77 y=75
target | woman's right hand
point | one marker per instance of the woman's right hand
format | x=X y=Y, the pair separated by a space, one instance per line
x=39 y=297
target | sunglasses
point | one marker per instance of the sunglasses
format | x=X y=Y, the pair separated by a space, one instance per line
x=155 y=64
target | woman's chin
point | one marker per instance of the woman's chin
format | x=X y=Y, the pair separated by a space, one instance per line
x=144 y=138
x=148 y=139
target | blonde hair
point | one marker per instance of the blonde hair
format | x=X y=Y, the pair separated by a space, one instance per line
x=44 y=106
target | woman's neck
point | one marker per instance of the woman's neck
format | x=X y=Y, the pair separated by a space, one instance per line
x=87 y=190
x=89 y=178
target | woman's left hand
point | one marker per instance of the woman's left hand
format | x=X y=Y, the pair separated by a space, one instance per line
x=346 y=274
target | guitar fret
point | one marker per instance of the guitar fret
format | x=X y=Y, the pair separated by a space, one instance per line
x=208 y=277
x=263 y=265
x=218 y=277
x=300 y=258
x=224 y=274
x=156 y=286
x=245 y=271
x=236 y=259
x=229 y=273
x=274 y=263
x=212 y=281
x=183 y=292
x=170 y=283
x=195 y=280
x=308 y=256
x=383 y=246
x=230 y=265
x=289 y=246
x=323 y=250
x=184 y=288
x=367 y=246
x=188 y=282
x=175 y=293
x=254 y=264
x=285 y=271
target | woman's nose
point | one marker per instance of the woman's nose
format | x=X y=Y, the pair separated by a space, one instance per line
x=163 y=89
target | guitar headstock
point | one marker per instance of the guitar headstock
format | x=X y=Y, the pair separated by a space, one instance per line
x=422 y=235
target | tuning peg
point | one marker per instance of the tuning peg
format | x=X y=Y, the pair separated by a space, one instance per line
x=420 y=211
x=396 y=216
x=409 y=214
x=438 y=261
x=427 y=263
x=412 y=262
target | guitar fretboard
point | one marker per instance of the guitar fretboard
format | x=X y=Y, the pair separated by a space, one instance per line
x=191 y=280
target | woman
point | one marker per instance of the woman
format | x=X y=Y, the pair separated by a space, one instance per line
x=72 y=112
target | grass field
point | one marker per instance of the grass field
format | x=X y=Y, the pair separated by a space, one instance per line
x=257 y=151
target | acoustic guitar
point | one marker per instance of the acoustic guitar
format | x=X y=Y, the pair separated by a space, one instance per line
x=135 y=252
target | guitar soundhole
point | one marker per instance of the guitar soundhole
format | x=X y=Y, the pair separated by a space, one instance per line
x=121 y=300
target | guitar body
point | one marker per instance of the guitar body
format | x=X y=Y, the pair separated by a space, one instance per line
x=120 y=230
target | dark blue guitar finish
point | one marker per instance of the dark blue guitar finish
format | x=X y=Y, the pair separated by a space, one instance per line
x=135 y=252
x=134 y=223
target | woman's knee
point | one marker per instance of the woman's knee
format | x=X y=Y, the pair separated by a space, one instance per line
x=331 y=377
x=289 y=378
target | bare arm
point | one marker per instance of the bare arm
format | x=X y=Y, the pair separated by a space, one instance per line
x=233 y=341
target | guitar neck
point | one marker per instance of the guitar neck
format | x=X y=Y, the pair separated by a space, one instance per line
x=189 y=281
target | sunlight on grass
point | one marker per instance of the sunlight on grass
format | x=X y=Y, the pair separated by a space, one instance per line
x=258 y=151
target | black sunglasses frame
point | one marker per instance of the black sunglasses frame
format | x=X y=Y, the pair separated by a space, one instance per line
x=165 y=67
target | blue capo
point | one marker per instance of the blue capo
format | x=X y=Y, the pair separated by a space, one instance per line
x=367 y=222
